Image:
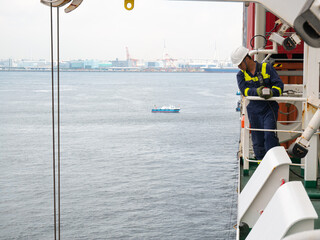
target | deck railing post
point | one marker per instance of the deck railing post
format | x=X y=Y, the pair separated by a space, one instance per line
x=311 y=90
x=246 y=139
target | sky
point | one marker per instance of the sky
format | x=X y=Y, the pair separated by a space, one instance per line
x=102 y=29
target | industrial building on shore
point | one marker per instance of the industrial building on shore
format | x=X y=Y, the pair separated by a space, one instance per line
x=114 y=65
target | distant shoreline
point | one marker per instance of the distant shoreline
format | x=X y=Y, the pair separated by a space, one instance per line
x=113 y=71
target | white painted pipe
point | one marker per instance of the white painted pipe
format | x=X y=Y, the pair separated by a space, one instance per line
x=265 y=51
x=312 y=126
x=260 y=29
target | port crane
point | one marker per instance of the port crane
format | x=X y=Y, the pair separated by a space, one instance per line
x=168 y=61
x=131 y=62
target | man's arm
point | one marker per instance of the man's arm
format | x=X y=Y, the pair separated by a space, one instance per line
x=276 y=82
x=244 y=86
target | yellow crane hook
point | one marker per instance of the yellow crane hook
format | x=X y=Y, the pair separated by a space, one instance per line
x=128 y=4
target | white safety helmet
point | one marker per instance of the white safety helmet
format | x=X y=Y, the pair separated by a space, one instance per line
x=238 y=55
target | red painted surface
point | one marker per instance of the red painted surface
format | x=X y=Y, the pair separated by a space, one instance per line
x=270 y=22
x=250 y=23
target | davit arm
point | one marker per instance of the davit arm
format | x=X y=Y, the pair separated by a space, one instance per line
x=299 y=148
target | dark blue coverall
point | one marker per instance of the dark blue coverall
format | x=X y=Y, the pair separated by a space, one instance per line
x=261 y=114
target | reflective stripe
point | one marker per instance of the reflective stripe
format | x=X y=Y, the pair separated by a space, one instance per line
x=264 y=74
x=264 y=71
x=279 y=89
x=247 y=78
x=246 y=92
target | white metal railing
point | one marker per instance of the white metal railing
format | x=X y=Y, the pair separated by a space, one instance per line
x=289 y=121
x=245 y=145
x=275 y=130
x=272 y=130
x=278 y=99
x=291 y=164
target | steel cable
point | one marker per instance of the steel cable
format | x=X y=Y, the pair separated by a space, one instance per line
x=53 y=129
x=58 y=112
x=56 y=195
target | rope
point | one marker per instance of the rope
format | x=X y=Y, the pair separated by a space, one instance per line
x=53 y=131
x=287 y=113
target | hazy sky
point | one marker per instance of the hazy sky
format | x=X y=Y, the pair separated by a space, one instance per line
x=101 y=29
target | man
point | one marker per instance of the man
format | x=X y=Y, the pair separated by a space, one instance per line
x=262 y=80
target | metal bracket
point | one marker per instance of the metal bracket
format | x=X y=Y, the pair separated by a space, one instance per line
x=314 y=102
x=59 y=3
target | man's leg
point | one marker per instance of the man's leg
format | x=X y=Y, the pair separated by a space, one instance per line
x=270 y=122
x=256 y=121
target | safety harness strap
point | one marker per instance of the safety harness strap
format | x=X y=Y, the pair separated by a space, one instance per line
x=259 y=75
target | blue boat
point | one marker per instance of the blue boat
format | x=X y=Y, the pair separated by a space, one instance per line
x=166 y=109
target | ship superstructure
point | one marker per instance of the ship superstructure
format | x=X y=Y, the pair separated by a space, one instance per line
x=278 y=197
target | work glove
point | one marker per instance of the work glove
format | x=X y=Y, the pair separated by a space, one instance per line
x=259 y=91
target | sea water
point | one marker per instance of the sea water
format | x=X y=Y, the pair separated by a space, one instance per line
x=126 y=173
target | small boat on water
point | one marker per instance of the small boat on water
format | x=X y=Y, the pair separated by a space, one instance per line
x=166 y=109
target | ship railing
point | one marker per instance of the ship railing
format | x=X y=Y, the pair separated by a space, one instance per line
x=245 y=136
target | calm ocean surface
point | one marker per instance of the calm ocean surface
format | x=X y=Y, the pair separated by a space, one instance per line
x=126 y=173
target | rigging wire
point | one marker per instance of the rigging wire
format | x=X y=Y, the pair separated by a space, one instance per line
x=58 y=95
x=56 y=176
x=53 y=130
x=258 y=35
x=274 y=27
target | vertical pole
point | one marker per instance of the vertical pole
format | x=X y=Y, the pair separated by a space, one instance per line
x=311 y=90
x=244 y=26
x=259 y=29
x=245 y=140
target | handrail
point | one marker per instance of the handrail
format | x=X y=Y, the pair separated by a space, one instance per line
x=289 y=121
x=280 y=99
x=272 y=130
x=275 y=130
x=247 y=128
x=291 y=164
